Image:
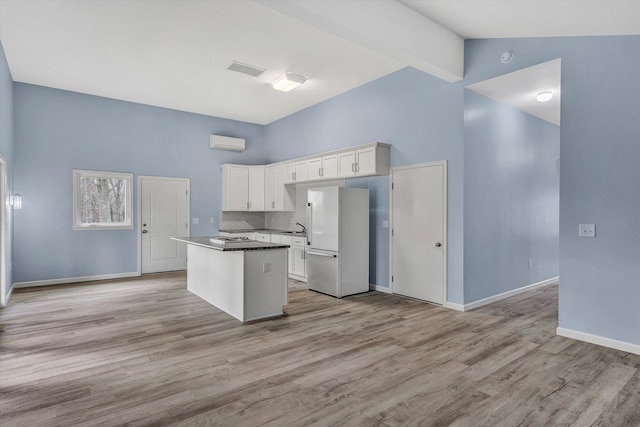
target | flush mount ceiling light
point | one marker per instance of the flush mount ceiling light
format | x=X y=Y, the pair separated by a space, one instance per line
x=544 y=96
x=288 y=81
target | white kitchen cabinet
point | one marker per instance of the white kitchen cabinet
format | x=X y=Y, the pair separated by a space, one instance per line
x=330 y=166
x=365 y=161
x=314 y=169
x=278 y=197
x=302 y=171
x=299 y=258
x=290 y=173
x=235 y=187
x=256 y=188
x=242 y=188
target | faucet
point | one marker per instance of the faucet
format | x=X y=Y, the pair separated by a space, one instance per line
x=304 y=229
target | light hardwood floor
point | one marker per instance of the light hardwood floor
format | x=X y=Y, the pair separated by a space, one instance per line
x=147 y=352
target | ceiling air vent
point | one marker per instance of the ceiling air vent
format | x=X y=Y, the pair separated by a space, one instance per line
x=249 y=70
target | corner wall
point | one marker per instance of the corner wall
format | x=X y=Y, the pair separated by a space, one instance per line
x=511 y=196
x=599 y=173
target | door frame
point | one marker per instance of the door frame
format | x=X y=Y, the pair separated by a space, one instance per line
x=442 y=163
x=138 y=226
x=4 y=297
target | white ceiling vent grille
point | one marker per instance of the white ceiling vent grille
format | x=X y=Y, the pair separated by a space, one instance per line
x=249 y=70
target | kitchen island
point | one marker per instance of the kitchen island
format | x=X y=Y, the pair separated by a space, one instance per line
x=244 y=278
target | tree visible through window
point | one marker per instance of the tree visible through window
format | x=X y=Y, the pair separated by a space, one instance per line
x=102 y=200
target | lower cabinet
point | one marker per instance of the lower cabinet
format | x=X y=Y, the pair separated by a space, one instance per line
x=299 y=262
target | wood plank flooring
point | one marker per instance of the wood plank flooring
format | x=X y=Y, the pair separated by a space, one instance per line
x=147 y=352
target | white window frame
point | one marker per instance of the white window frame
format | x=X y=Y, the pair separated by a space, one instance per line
x=78 y=174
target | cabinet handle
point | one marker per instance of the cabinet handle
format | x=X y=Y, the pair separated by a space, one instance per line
x=295 y=175
x=273 y=204
x=353 y=167
x=357 y=167
x=248 y=205
x=319 y=171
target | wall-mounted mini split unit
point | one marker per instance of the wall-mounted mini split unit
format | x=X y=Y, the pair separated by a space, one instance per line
x=219 y=142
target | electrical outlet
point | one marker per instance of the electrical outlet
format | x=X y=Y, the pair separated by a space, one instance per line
x=266 y=267
x=212 y=220
x=385 y=223
x=587 y=230
x=530 y=263
x=195 y=221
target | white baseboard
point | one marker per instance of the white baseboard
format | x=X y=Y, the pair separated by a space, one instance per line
x=453 y=306
x=489 y=300
x=74 y=280
x=384 y=289
x=596 y=339
x=6 y=300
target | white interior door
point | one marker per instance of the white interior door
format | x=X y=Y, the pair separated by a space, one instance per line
x=164 y=213
x=418 y=216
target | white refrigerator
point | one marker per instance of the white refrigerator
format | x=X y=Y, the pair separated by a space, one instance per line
x=338 y=240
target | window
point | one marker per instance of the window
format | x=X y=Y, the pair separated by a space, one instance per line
x=102 y=200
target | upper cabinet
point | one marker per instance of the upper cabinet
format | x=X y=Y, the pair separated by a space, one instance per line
x=263 y=188
x=365 y=161
x=242 y=188
x=278 y=197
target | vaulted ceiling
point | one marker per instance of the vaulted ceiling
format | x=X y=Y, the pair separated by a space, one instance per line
x=175 y=53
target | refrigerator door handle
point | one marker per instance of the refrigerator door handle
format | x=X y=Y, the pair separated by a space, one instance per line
x=321 y=254
x=309 y=223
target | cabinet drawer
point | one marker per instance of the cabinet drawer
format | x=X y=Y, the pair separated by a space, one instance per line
x=261 y=237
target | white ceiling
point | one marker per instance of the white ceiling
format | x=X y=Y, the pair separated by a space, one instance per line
x=519 y=89
x=174 y=53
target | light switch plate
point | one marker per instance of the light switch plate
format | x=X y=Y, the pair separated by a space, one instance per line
x=587 y=230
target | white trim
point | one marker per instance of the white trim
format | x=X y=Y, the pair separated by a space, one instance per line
x=139 y=213
x=378 y=288
x=74 y=280
x=453 y=306
x=598 y=340
x=445 y=230
x=492 y=299
x=78 y=174
x=9 y=296
x=4 y=223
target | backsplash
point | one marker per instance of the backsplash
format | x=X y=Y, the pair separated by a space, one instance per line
x=241 y=220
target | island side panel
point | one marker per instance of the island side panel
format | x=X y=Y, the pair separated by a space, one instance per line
x=217 y=277
x=265 y=291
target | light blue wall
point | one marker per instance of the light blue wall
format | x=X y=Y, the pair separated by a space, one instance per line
x=6 y=151
x=511 y=196
x=420 y=115
x=599 y=173
x=57 y=131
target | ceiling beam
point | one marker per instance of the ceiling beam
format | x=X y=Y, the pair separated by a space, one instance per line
x=387 y=27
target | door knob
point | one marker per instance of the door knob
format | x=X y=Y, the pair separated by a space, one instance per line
x=438 y=244
x=144 y=231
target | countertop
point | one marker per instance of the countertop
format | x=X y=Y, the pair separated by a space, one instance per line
x=265 y=231
x=240 y=245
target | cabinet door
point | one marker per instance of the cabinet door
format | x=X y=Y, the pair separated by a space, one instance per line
x=270 y=192
x=290 y=173
x=285 y=196
x=235 y=185
x=366 y=161
x=256 y=188
x=302 y=171
x=330 y=166
x=314 y=167
x=346 y=164
x=299 y=261
x=290 y=254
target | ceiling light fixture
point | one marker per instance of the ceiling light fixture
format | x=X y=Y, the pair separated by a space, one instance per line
x=288 y=81
x=544 y=96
